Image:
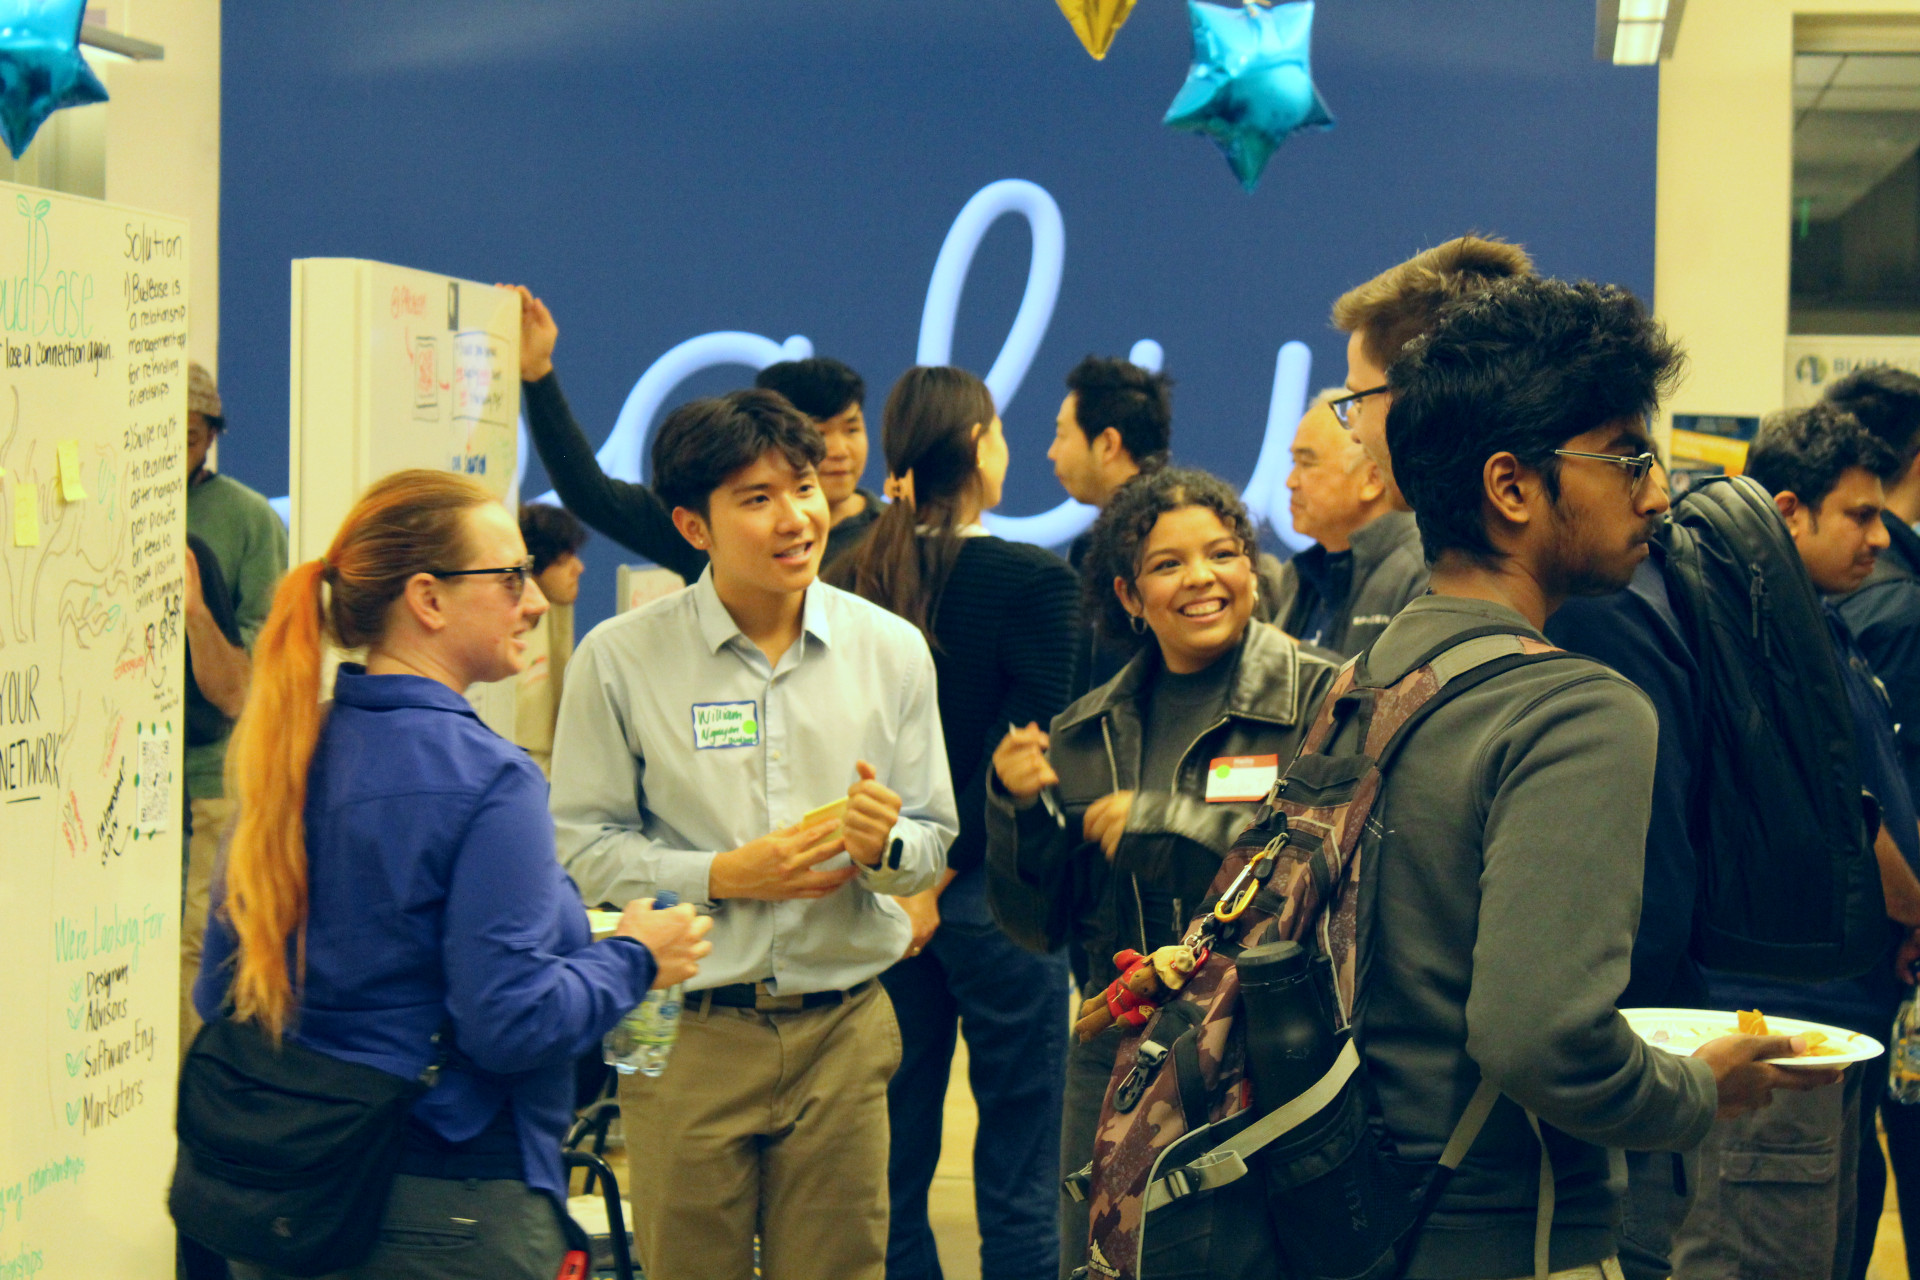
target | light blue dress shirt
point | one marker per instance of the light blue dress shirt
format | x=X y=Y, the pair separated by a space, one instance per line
x=677 y=739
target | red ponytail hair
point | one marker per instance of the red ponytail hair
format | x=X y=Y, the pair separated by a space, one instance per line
x=402 y=525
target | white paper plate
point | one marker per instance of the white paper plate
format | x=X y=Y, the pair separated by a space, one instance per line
x=1681 y=1031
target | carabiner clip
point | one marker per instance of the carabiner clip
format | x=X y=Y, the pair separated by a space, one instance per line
x=1227 y=911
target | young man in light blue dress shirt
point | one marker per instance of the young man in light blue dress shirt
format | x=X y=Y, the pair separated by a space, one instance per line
x=695 y=733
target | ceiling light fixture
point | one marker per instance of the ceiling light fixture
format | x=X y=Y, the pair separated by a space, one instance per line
x=1635 y=33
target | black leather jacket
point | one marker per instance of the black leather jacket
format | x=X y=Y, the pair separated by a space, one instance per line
x=1048 y=886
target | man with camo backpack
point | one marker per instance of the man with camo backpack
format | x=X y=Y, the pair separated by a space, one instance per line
x=1504 y=849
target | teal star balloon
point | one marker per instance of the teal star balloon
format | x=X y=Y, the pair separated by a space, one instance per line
x=1249 y=88
x=41 y=69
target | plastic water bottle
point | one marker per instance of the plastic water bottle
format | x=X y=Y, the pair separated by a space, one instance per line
x=1903 y=1067
x=643 y=1040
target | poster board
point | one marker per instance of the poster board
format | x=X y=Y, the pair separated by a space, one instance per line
x=1814 y=361
x=93 y=409
x=394 y=368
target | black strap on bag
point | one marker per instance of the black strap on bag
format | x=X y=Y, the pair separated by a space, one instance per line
x=288 y=1155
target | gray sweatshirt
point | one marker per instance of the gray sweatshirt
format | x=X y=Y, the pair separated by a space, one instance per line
x=1508 y=893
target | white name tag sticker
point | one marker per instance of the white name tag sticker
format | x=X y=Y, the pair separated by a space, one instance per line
x=725 y=724
x=1241 y=779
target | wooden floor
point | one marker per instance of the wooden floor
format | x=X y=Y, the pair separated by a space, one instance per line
x=950 y=1203
x=1890 y=1246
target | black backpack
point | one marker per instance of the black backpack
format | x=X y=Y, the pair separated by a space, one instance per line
x=1789 y=886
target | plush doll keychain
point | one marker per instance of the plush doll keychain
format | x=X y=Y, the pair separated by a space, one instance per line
x=1144 y=984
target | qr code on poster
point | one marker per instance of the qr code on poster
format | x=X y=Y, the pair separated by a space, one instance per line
x=155 y=773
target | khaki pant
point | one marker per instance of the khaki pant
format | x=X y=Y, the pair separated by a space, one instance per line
x=210 y=821
x=768 y=1122
x=1776 y=1191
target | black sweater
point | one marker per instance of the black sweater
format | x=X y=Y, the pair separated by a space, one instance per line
x=630 y=514
x=1004 y=629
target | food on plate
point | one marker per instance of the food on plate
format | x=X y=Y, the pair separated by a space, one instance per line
x=1754 y=1023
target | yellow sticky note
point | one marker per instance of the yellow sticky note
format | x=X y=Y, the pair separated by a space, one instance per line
x=70 y=486
x=26 y=515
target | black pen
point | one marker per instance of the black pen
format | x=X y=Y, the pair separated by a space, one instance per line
x=1047 y=797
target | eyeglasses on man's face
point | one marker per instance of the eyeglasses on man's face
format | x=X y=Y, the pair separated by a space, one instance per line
x=1342 y=406
x=1638 y=467
x=514 y=575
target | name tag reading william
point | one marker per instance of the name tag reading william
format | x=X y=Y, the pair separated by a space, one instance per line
x=725 y=724
x=1241 y=779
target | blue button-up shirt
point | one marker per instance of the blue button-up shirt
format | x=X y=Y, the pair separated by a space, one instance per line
x=678 y=740
x=432 y=893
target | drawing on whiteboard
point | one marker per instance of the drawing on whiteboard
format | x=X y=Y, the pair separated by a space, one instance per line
x=426 y=378
x=92 y=528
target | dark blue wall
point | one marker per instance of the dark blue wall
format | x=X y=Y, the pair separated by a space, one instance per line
x=658 y=170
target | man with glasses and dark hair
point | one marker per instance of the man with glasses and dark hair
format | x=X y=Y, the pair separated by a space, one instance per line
x=1790 y=1177
x=1508 y=873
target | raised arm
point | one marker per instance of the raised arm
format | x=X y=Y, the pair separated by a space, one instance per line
x=630 y=514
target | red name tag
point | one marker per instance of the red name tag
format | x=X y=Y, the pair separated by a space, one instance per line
x=1241 y=779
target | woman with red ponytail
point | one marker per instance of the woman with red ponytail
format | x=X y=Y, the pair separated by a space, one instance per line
x=392 y=873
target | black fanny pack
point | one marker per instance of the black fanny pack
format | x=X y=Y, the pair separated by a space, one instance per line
x=287 y=1156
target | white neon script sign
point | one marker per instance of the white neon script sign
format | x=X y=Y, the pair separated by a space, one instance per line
x=623 y=455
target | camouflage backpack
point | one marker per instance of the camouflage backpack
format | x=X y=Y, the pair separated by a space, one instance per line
x=1330 y=1198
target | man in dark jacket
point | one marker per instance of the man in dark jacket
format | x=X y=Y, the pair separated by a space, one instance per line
x=1885 y=612
x=1510 y=868
x=1884 y=615
x=1365 y=563
x=1114 y=424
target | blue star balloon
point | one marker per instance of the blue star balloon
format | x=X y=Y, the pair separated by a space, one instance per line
x=41 y=69
x=1249 y=88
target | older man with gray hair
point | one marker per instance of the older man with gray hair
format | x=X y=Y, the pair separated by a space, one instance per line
x=1366 y=562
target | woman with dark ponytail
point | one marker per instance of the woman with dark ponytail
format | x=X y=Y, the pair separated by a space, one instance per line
x=1000 y=617
x=392 y=874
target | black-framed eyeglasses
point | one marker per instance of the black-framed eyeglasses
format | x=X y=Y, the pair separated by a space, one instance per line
x=515 y=575
x=1342 y=406
x=1638 y=467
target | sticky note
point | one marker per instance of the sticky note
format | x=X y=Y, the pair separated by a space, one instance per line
x=26 y=515
x=70 y=486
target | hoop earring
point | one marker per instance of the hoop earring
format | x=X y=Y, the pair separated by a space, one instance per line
x=1138 y=623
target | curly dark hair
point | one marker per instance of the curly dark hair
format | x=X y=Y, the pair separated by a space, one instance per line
x=1521 y=367
x=1805 y=451
x=1119 y=537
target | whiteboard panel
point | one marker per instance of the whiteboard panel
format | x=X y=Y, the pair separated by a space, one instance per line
x=93 y=406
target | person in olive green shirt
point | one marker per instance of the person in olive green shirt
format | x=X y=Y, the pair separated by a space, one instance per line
x=250 y=544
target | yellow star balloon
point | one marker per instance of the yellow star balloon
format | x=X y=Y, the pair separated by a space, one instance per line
x=1096 y=22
